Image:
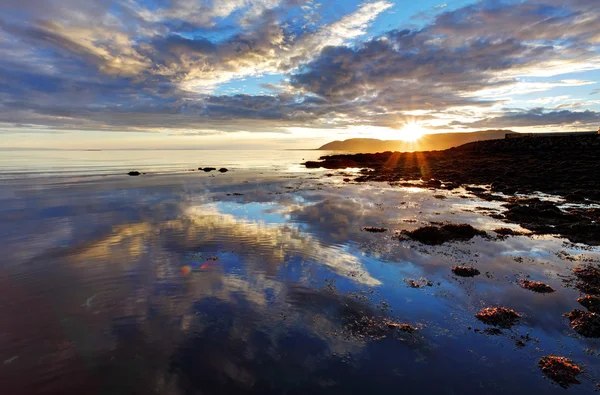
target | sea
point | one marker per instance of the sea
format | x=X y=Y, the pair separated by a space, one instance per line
x=265 y=280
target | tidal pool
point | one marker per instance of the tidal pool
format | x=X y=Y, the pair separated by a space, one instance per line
x=261 y=283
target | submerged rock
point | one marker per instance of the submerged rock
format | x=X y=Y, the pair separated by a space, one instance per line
x=561 y=370
x=536 y=286
x=436 y=235
x=592 y=303
x=374 y=229
x=134 y=173
x=420 y=283
x=465 y=271
x=498 y=316
x=585 y=323
x=374 y=328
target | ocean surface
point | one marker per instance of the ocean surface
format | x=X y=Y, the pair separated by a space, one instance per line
x=262 y=280
x=20 y=164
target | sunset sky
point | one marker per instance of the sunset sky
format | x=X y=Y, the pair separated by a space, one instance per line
x=291 y=73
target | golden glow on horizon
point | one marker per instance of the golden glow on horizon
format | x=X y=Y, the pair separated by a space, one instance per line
x=411 y=132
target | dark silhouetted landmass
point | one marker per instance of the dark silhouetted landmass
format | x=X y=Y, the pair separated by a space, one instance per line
x=428 y=142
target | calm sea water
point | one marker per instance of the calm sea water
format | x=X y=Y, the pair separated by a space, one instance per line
x=261 y=281
x=36 y=163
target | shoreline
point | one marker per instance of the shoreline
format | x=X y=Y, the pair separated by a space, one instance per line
x=566 y=166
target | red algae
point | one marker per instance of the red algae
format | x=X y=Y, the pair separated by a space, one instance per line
x=585 y=323
x=498 y=316
x=592 y=303
x=402 y=327
x=536 y=286
x=589 y=279
x=465 y=271
x=561 y=370
x=587 y=273
x=373 y=328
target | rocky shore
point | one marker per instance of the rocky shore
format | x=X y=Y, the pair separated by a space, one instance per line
x=567 y=166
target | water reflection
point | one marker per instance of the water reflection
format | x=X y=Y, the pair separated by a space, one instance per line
x=223 y=286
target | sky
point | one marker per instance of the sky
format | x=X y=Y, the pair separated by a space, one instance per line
x=291 y=73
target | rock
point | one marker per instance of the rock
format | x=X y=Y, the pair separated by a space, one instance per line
x=475 y=189
x=574 y=197
x=508 y=232
x=134 y=173
x=561 y=370
x=374 y=229
x=402 y=327
x=589 y=279
x=585 y=323
x=420 y=283
x=434 y=235
x=465 y=271
x=207 y=169
x=223 y=170
x=498 y=316
x=543 y=217
x=536 y=286
x=592 y=303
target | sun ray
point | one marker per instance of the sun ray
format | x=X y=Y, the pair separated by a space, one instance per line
x=411 y=132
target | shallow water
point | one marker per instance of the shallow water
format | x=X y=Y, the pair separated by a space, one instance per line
x=252 y=281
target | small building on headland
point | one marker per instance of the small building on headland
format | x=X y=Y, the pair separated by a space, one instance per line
x=513 y=135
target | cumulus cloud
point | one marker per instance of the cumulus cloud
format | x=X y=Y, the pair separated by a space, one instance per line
x=127 y=66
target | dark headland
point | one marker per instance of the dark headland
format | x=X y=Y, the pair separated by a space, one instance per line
x=428 y=142
x=504 y=169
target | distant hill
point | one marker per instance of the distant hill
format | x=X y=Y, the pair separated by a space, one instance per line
x=428 y=142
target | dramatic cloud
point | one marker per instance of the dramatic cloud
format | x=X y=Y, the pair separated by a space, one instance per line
x=137 y=65
x=537 y=117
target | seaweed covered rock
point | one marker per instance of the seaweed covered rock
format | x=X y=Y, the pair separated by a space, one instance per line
x=402 y=327
x=589 y=279
x=465 y=271
x=585 y=323
x=561 y=370
x=436 y=235
x=536 y=286
x=498 y=316
x=592 y=303
x=374 y=328
x=420 y=283
x=544 y=217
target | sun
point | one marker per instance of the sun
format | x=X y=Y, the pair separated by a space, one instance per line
x=411 y=132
